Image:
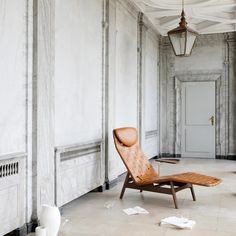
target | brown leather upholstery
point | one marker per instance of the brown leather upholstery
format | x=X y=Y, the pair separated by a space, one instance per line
x=140 y=168
x=141 y=175
x=126 y=136
x=195 y=178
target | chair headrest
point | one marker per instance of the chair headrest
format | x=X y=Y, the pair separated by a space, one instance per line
x=126 y=135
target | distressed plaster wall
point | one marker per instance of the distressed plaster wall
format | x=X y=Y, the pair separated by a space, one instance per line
x=43 y=104
x=123 y=94
x=15 y=103
x=231 y=74
x=65 y=87
x=151 y=94
x=27 y=108
x=78 y=71
x=209 y=61
x=13 y=69
x=133 y=84
x=78 y=97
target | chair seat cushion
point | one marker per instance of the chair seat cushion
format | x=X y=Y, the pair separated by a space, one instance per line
x=194 y=178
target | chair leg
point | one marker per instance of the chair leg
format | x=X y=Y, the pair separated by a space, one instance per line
x=174 y=194
x=124 y=186
x=193 y=194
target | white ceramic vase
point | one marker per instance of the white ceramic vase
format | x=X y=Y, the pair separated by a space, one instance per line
x=40 y=231
x=50 y=218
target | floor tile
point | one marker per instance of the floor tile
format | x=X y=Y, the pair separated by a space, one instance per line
x=100 y=214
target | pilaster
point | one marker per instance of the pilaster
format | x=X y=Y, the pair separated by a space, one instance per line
x=141 y=75
x=43 y=104
x=231 y=72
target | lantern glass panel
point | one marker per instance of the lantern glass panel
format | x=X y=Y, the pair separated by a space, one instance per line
x=190 y=41
x=178 y=41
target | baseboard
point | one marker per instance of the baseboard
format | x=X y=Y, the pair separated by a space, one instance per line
x=111 y=184
x=228 y=157
x=169 y=155
x=32 y=226
x=223 y=157
x=24 y=230
x=100 y=189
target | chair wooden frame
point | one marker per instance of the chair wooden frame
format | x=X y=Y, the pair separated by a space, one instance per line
x=171 y=189
x=142 y=176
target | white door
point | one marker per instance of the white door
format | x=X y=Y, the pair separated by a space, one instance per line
x=198 y=119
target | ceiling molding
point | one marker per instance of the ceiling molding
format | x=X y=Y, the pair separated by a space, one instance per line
x=206 y=16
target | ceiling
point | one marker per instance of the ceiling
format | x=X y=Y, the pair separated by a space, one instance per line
x=204 y=16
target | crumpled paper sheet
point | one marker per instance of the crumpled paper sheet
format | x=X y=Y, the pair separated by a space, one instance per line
x=135 y=211
x=179 y=222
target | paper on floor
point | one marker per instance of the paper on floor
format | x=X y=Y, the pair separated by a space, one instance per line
x=180 y=222
x=135 y=211
x=140 y=210
x=130 y=211
x=109 y=205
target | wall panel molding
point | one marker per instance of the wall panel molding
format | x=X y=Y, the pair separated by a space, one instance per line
x=151 y=134
x=79 y=169
x=129 y=7
x=9 y=156
x=197 y=76
x=77 y=150
x=12 y=192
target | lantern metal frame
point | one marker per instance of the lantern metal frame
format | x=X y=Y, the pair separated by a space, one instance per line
x=182 y=28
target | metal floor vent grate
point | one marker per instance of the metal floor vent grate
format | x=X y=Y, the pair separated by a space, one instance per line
x=9 y=169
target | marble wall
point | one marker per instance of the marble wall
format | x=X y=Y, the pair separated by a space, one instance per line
x=13 y=66
x=133 y=81
x=52 y=105
x=209 y=61
x=78 y=97
x=122 y=108
x=151 y=94
x=75 y=70
x=79 y=169
x=231 y=74
x=43 y=179
x=78 y=71
x=12 y=192
x=14 y=103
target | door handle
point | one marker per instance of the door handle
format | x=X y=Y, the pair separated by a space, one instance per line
x=212 y=119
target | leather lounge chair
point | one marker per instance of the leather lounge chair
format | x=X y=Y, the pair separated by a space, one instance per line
x=141 y=174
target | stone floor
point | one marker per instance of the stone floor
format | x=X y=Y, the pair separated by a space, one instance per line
x=97 y=214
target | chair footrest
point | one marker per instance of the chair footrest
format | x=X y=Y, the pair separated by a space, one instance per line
x=195 y=178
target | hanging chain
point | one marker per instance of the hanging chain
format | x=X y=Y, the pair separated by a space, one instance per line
x=182 y=5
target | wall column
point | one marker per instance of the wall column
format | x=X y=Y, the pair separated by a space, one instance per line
x=141 y=74
x=231 y=43
x=43 y=104
x=167 y=72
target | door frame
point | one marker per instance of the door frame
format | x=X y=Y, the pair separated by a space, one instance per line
x=221 y=108
x=183 y=113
